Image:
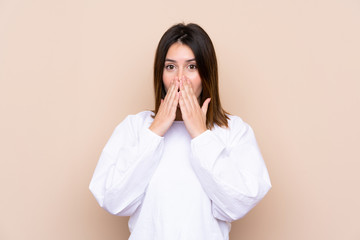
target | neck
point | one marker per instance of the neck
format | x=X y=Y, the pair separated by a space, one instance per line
x=178 y=115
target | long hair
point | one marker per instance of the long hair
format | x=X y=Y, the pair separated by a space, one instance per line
x=200 y=43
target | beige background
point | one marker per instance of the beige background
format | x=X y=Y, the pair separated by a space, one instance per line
x=70 y=71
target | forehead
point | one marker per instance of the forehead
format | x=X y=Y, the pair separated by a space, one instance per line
x=179 y=51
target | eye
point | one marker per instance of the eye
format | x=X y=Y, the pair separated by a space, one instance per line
x=192 y=67
x=170 y=67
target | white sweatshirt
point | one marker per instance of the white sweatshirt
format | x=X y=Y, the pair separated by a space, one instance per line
x=175 y=187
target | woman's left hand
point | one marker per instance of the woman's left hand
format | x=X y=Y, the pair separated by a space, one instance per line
x=193 y=115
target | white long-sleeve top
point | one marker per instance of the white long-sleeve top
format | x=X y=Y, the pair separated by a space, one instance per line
x=175 y=187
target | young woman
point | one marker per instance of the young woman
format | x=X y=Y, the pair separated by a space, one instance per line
x=187 y=169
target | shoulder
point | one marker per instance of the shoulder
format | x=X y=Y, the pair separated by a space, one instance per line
x=127 y=132
x=235 y=123
x=237 y=129
x=133 y=124
x=145 y=115
x=140 y=119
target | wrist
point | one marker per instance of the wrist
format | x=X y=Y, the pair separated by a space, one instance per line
x=159 y=127
x=156 y=130
x=198 y=133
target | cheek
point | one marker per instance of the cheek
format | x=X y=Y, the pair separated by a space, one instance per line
x=199 y=88
x=196 y=85
x=166 y=80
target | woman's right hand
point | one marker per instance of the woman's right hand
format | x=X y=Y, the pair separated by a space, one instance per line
x=167 y=110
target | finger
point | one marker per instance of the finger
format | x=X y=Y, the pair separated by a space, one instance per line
x=176 y=79
x=173 y=98
x=168 y=92
x=181 y=83
x=176 y=84
x=176 y=96
x=170 y=95
x=182 y=105
x=190 y=97
x=192 y=94
x=205 y=105
x=184 y=95
x=175 y=103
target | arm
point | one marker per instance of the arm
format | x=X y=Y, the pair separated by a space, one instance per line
x=228 y=163
x=126 y=166
x=130 y=158
x=232 y=172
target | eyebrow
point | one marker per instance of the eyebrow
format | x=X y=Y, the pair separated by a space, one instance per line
x=171 y=60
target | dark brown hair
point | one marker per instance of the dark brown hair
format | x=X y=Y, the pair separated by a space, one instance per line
x=200 y=43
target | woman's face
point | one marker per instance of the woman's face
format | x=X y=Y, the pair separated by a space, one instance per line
x=179 y=62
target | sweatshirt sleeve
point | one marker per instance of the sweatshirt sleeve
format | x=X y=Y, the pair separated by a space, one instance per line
x=231 y=170
x=126 y=166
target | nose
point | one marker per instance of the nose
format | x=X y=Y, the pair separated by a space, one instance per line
x=180 y=73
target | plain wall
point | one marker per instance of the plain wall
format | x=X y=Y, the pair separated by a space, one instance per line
x=70 y=71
